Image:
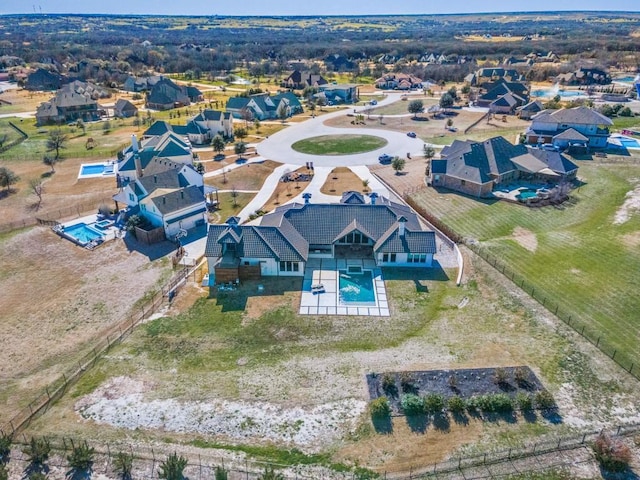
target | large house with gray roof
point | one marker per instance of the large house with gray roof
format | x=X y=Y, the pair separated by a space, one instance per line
x=568 y=127
x=264 y=106
x=387 y=232
x=200 y=130
x=475 y=168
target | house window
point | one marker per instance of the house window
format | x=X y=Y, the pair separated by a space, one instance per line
x=143 y=207
x=389 y=257
x=289 y=267
x=131 y=197
x=417 y=258
x=463 y=182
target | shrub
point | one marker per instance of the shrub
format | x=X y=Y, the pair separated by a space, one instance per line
x=389 y=385
x=81 y=457
x=494 y=403
x=456 y=404
x=544 y=400
x=412 y=404
x=612 y=453
x=379 y=408
x=4 y=474
x=38 y=476
x=473 y=404
x=123 y=464
x=433 y=403
x=524 y=402
x=221 y=474
x=453 y=382
x=406 y=383
x=521 y=376
x=500 y=376
x=38 y=450
x=5 y=446
x=173 y=467
x=269 y=474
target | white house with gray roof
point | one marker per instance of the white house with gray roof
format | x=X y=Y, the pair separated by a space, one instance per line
x=387 y=232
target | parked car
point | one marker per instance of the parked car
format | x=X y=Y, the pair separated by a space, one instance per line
x=411 y=134
x=384 y=158
x=373 y=102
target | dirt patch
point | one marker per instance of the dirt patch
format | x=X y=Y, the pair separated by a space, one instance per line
x=630 y=206
x=267 y=300
x=57 y=298
x=308 y=428
x=341 y=179
x=526 y=239
x=250 y=176
x=631 y=240
x=286 y=190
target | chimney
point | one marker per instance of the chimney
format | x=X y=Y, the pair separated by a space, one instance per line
x=373 y=198
x=307 y=198
x=134 y=143
x=401 y=222
x=138 y=164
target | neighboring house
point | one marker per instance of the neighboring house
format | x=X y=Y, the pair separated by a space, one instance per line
x=212 y=122
x=264 y=106
x=124 y=109
x=475 y=168
x=503 y=96
x=340 y=93
x=518 y=62
x=87 y=89
x=491 y=75
x=569 y=126
x=527 y=111
x=168 y=147
x=386 y=232
x=140 y=84
x=584 y=76
x=338 y=63
x=299 y=80
x=165 y=95
x=67 y=107
x=43 y=79
x=168 y=194
x=398 y=81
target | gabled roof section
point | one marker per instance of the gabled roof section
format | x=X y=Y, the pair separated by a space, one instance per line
x=353 y=198
x=411 y=242
x=581 y=116
x=352 y=227
x=571 y=134
x=173 y=201
x=230 y=235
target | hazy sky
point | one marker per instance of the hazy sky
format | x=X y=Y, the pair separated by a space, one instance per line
x=301 y=7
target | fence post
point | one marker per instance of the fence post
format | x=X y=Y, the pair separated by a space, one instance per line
x=613 y=357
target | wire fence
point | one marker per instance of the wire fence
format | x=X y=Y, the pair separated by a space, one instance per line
x=107 y=339
x=52 y=217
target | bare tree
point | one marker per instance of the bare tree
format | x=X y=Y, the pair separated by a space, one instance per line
x=50 y=162
x=56 y=141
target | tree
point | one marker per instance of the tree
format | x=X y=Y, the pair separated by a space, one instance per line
x=398 y=164
x=7 y=178
x=240 y=133
x=37 y=187
x=415 y=107
x=269 y=474
x=106 y=127
x=365 y=184
x=5 y=447
x=380 y=408
x=449 y=123
x=199 y=166
x=80 y=124
x=123 y=464
x=81 y=457
x=57 y=141
x=446 y=101
x=453 y=92
x=173 y=467
x=4 y=474
x=429 y=151
x=283 y=112
x=312 y=108
x=38 y=451
x=257 y=125
x=50 y=162
x=218 y=143
x=239 y=148
x=221 y=474
x=321 y=102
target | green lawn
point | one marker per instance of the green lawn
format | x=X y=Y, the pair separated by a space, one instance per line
x=339 y=144
x=583 y=262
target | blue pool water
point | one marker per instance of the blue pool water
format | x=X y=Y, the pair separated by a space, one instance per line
x=629 y=142
x=551 y=93
x=356 y=287
x=82 y=233
x=526 y=194
x=627 y=79
x=97 y=169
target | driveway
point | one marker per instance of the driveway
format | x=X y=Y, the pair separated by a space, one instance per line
x=278 y=146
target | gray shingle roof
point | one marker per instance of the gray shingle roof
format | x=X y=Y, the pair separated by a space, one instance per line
x=178 y=199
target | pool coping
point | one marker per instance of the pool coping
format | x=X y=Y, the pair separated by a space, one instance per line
x=325 y=271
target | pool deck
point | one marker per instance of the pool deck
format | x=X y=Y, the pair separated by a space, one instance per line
x=324 y=271
x=108 y=233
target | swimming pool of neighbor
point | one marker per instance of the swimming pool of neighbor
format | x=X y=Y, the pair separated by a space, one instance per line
x=82 y=233
x=93 y=170
x=552 y=93
x=628 y=142
x=356 y=288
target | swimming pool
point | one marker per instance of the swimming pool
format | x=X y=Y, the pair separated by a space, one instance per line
x=96 y=169
x=356 y=288
x=526 y=194
x=553 y=93
x=82 y=233
x=629 y=142
x=93 y=170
